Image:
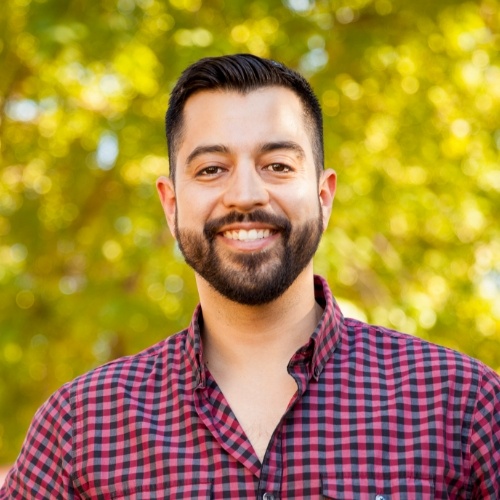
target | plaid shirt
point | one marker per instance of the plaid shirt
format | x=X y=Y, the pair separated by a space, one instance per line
x=377 y=415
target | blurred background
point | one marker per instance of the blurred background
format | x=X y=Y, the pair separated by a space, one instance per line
x=88 y=269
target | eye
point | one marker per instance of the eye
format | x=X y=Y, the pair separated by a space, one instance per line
x=278 y=167
x=211 y=170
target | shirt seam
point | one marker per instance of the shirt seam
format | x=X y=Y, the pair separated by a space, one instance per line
x=481 y=371
x=73 y=416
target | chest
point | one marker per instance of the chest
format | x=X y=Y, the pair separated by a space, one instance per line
x=333 y=442
x=259 y=407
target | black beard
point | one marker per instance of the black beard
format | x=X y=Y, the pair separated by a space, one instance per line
x=252 y=278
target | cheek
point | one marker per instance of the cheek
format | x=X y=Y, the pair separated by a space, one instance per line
x=302 y=202
x=193 y=210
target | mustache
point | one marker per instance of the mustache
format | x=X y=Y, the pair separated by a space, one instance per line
x=212 y=227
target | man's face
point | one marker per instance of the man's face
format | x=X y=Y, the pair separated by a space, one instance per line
x=247 y=209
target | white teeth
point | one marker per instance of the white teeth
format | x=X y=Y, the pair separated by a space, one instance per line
x=244 y=235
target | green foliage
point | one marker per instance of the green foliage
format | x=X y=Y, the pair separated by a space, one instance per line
x=88 y=270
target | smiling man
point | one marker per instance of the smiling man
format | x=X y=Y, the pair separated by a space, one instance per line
x=250 y=170
x=270 y=393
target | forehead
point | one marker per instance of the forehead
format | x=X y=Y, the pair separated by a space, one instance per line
x=243 y=118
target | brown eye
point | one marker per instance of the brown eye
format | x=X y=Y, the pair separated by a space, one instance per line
x=278 y=167
x=212 y=170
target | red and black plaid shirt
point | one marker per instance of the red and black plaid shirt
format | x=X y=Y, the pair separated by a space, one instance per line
x=377 y=415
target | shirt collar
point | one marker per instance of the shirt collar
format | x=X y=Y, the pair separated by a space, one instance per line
x=193 y=346
x=318 y=349
x=326 y=336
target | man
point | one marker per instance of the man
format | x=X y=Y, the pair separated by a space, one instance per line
x=270 y=393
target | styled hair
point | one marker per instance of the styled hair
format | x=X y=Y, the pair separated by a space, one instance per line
x=241 y=73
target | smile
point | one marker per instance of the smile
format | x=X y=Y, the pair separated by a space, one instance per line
x=247 y=235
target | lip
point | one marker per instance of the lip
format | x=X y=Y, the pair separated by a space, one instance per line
x=248 y=237
x=246 y=226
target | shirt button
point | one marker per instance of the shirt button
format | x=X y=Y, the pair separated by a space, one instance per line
x=268 y=496
x=380 y=497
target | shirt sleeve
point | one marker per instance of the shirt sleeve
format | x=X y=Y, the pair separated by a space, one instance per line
x=485 y=439
x=44 y=465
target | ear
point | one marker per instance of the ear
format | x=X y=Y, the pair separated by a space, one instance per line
x=326 y=190
x=166 y=191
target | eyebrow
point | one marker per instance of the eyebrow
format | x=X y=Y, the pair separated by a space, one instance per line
x=267 y=147
x=291 y=146
x=201 y=150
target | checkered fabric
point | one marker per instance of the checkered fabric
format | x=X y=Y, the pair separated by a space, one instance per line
x=377 y=415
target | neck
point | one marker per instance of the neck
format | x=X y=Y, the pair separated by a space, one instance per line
x=265 y=335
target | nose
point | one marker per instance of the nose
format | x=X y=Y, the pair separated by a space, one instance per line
x=246 y=189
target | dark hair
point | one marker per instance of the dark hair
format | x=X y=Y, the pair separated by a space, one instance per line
x=241 y=73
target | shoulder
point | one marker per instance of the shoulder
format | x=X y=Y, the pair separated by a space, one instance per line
x=379 y=339
x=138 y=366
x=398 y=365
x=397 y=354
x=121 y=388
x=122 y=375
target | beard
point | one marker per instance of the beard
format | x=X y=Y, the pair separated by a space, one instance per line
x=251 y=278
